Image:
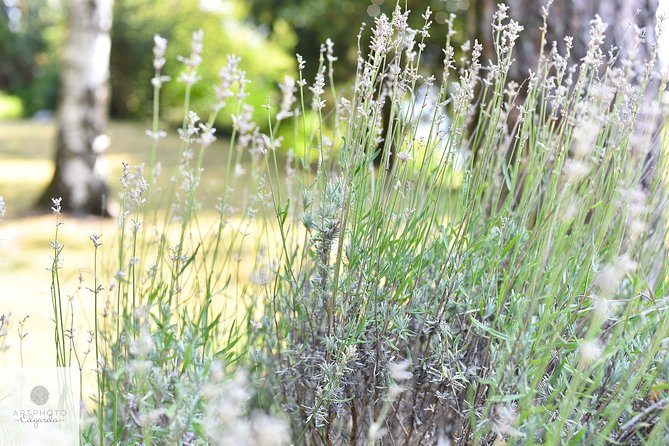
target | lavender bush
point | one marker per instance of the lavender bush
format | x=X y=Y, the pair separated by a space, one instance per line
x=500 y=278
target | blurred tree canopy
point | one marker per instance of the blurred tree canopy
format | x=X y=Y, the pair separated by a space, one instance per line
x=314 y=21
x=29 y=31
x=32 y=35
x=266 y=34
x=266 y=58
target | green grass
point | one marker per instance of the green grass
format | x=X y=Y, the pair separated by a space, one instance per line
x=27 y=149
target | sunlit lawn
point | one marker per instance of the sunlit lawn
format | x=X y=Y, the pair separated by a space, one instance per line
x=26 y=149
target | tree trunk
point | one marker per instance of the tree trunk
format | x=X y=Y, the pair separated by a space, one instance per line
x=566 y=18
x=80 y=166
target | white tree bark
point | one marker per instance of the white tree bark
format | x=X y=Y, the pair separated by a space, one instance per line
x=80 y=166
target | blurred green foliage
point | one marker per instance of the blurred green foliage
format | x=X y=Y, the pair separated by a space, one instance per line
x=314 y=21
x=265 y=34
x=30 y=47
x=265 y=58
x=29 y=32
x=11 y=107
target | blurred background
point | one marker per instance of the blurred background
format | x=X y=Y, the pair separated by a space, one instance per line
x=265 y=34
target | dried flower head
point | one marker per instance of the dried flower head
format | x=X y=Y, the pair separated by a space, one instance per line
x=506 y=418
x=595 y=55
x=55 y=208
x=318 y=88
x=156 y=135
x=190 y=133
x=229 y=75
x=95 y=239
x=189 y=75
x=610 y=277
x=159 y=49
x=636 y=203
x=590 y=351
x=575 y=170
x=399 y=371
x=404 y=156
x=287 y=88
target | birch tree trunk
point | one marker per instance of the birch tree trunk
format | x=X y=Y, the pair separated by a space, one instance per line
x=80 y=166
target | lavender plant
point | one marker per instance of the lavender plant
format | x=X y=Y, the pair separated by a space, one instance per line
x=352 y=304
x=527 y=303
